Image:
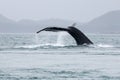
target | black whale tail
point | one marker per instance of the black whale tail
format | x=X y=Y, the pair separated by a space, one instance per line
x=79 y=36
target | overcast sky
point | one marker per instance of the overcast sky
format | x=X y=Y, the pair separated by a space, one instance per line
x=77 y=10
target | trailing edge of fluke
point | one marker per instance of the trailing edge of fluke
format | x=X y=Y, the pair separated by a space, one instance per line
x=79 y=36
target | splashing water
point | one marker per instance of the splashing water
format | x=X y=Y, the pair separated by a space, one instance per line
x=60 y=39
x=42 y=42
x=102 y=46
x=105 y=46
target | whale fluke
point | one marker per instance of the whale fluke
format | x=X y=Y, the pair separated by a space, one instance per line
x=79 y=36
x=53 y=29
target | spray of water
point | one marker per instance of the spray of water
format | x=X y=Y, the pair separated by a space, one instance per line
x=60 y=39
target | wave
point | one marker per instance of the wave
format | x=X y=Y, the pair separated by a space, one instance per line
x=41 y=45
x=54 y=46
x=106 y=46
x=103 y=46
x=61 y=45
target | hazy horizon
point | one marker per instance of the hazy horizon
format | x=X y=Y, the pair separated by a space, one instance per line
x=76 y=10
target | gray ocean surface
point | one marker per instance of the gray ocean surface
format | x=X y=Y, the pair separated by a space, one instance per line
x=55 y=56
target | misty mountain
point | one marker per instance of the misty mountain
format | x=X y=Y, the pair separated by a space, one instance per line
x=107 y=23
x=6 y=24
x=29 y=26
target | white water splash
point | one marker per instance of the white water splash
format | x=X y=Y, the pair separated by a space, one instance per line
x=102 y=46
x=28 y=46
x=60 y=39
x=105 y=46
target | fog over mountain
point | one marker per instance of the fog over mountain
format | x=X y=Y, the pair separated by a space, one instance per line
x=107 y=23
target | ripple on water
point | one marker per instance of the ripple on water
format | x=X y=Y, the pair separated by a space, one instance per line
x=46 y=74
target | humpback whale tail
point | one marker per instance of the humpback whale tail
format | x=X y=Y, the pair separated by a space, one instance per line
x=79 y=36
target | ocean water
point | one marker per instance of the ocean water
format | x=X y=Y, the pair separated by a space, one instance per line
x=55 y=56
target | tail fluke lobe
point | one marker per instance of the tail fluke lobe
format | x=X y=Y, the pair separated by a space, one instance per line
x=53 y=29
